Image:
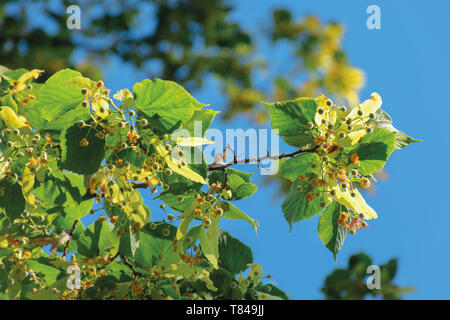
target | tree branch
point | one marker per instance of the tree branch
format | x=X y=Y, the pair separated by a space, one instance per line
x=129 y=265
x=214 y=166
x=111 y=259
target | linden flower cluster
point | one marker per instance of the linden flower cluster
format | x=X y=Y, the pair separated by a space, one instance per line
x=21 y=144
x=336 y=130
x=351 y=223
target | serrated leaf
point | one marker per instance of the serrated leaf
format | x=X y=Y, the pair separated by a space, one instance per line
x=383 y=120
x=245 y=190
x=332 y=234
x=234 y=255
x=201 y=118
x=402 y=140
x=96 y=240
x=291 y=119
x=57 y=103
x=171 y=102
x=77 y=158
x=300 y=164
x=12 y=200
x=296 y=206
x=271 y=292
x=42 y=266
x=153 y=250
x=50 y=192
x=238 y=182
x=373 y=150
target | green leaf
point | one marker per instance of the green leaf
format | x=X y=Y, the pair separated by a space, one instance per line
x=332 y=234
x=204 y=118
x=222 y=280
x=96 y=240
x=184 y=225
x=208 y=247
x=57 y=103
x=172 y=200
x=78 y=211
x=129 y=242
x=64 y=222
x=383 y=120
x=245 y=190
x=373 y=150
x=153 y=250
x=77 y=158
x=77 y=183
x=244 y=175
x=230 y=211
x=12 y=200
x=402 y=140
x=214 y=233
x=8 y=101
x=128 y=155
x=196 y=153
x=238 y=182
x=271 y=291
x=51 y=192
x=191 y=235
x=180 y=185
x=291 y=119
x=66 y=192
x=300 y=164
x=234 y=255
x=171 y=102
x=296 y=207
x=140 y=212
x=8 y=77
x=42 y=266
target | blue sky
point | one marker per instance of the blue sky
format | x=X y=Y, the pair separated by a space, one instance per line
x=406 y=63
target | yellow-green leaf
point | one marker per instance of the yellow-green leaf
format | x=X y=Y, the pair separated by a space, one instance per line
x=208 y=248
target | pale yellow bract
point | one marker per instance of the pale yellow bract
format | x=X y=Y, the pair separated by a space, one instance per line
x=11 y=119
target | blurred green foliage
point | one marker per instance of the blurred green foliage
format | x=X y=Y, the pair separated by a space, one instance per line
x=350 y=283
x=184 y=41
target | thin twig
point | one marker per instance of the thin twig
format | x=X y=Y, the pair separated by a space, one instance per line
x=129 y=265
x=213 y=166
x=111 y=259
x=72 y=231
